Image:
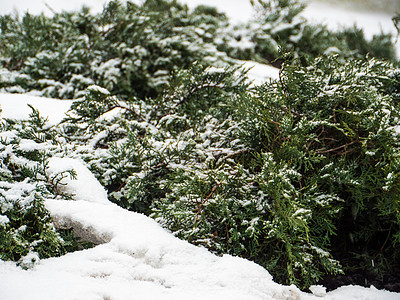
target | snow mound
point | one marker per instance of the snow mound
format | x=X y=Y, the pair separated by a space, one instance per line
x=15 y=106
x=135 y=257
x=259 y=73
x=85 y=187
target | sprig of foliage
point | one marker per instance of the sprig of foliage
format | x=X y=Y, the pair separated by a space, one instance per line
x=27 y=233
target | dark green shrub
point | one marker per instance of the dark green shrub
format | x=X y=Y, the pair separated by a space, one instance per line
x=128 y=49
x=336 y=126
x=298 y=174
x=27 y=233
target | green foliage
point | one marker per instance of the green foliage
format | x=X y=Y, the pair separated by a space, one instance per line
x=280 y=28
x=396 y=22
x=27 y=233
x=298 y=174
x=128 y=49
x=148 y=138
x=335 y=125
x=132 y=49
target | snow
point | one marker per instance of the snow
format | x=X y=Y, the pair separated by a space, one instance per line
x=318 y=290
x=98 y=89
x=258 y=72
x=85 y=187
x=15 y=106
x=134 y=256
x=17 y=191
x=337 y=17
x=29 y=145
x=396 y=129
x=4 y=220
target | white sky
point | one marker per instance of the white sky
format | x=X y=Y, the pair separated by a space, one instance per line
x=38 y=6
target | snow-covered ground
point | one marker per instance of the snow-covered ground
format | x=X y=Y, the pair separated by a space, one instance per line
x=134 y=258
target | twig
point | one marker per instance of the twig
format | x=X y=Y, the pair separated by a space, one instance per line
x=206 y=200
x=227 y=237
x=50 y=8
x=193 y=91
x=384 y=244
x=118 y=105
x=335 y=149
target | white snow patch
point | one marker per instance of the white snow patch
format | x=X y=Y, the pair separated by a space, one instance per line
x=15 y=193
x=15 y=106
x=112 y=114
x=98 y=89
x=30 y=145
x=4 y=220
x=138 y=258
x=29 y=260
x=85 y=187
x=396 y=129
x=259 y=73
x=318 y=290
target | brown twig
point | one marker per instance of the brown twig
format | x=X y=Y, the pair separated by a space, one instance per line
x=215 y=187
x=319 y=151
x=227 y=237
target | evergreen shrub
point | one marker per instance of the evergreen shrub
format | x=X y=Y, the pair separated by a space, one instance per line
x=299 y=174
x=311 y=188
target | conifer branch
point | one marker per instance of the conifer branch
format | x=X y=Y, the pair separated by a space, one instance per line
x=194 y=90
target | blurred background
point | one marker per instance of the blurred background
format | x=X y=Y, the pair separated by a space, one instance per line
x=37 y=6
x=387 y=6
x=374 y=16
